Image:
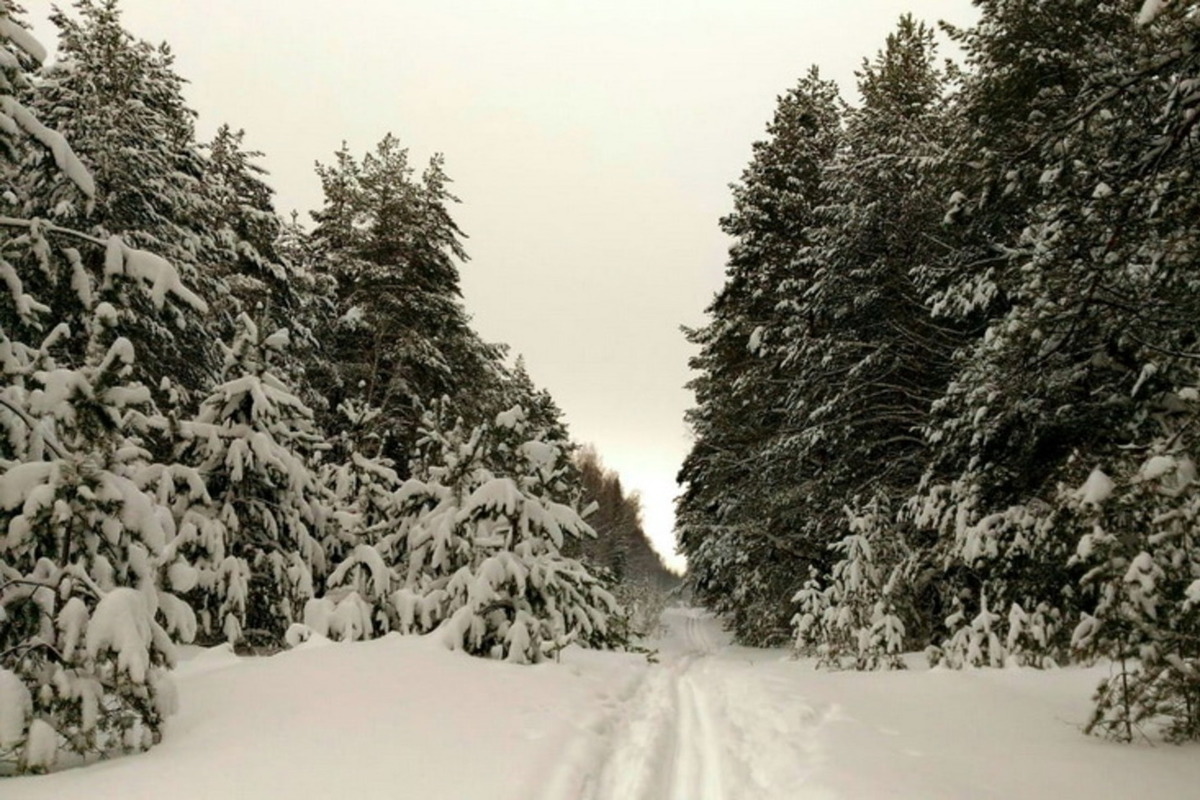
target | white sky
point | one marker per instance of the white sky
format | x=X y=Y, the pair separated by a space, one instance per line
x=592 y=144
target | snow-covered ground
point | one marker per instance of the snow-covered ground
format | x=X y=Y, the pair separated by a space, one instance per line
x=402 y=717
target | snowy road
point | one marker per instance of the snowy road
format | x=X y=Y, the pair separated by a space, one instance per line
x=404 y=717
x=702 y=725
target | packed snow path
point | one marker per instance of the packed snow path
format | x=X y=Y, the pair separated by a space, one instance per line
x=702 y=725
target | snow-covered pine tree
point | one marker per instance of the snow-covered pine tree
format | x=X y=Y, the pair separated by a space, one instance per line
x=254 y=442
x=870 y=360
x=82 y=656
x=398 y=337
x=364 y=540
x=119 y=102
x=81 y=651
x=256 y=274
x=742 y=506
x=854 y=620
x=1084 y=304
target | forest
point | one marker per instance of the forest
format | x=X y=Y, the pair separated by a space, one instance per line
x=220 y=425
x=946 y=399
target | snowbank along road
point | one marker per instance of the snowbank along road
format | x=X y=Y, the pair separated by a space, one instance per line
x=702 y=725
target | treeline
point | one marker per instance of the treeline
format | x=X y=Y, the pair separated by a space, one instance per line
x=947 y=396
x=621 y=548
x=621 y=545
x=220 y=426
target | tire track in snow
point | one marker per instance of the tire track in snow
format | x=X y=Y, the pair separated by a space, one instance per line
x=699 y=728
x=699 y=767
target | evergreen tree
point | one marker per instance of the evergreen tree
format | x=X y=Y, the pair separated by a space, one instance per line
x=734 y=527
x=120 y=104
x=255 y=442
x=485 y=546
x=399 y=337
x=85 y=625
x=870 y=361
x=1082 y=314
x=252 y=268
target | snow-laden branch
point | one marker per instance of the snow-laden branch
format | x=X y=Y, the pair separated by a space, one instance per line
x=20 y=222
x=121 y=259
x=33 y=424
x=53 y=141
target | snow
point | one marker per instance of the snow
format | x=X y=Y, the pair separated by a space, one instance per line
x=277 y=340
x=1193 y=593
x=121 y=259
x=1096 y=489
x=499 y=495
x=17 y=482
x=42 y=746
x=15 y=705
x=510 y=418
x=1150 y=11
x=540 y=456
x=72 y=621
x=370 y=558
x=1156 y=467
x=182 y=576
x=403 y=717
x=755 y=342
x=122 y=623
x=22 y=38
x=53 y=141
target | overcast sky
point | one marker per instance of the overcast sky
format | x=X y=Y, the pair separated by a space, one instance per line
x=592 y=144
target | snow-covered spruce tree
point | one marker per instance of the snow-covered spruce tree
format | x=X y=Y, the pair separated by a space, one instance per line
x=1141 y=547
x=742 y=506
x=365 y=537
x=254 y=271
x=871 y=360
x=82 y=657
x=370 y=587
x=1007 y=580
x=1087 y=309
x=196 y=564
x=81 y=652
x=484 y=558
x=120 y=104
x=854 y=621
x=254 y=442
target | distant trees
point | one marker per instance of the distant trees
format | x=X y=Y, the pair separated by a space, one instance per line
x=620 y=547
x=986 y=378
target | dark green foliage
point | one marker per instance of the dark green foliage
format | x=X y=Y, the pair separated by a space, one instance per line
x=989 y=298
x=397 y=336
x=730 y=519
